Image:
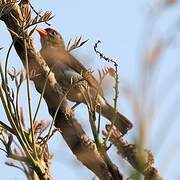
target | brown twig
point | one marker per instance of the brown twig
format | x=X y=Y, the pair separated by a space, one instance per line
x=141 y=161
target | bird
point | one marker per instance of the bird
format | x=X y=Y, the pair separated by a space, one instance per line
x=65 y=66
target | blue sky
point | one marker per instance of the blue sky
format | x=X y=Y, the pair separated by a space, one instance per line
x=124 y=29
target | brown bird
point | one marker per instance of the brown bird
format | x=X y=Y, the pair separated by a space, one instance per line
x=65 y=66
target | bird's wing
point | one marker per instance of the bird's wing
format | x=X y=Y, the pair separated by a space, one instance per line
x=78 y=67
x=57 y=56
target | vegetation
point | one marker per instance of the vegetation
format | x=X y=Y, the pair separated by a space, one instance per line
x=26 y=141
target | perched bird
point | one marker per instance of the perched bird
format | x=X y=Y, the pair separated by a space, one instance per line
x=65 y=66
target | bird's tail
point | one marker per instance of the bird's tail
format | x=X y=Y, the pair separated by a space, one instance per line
x=121 y=122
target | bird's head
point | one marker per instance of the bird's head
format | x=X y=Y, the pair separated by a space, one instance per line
x=50 y=38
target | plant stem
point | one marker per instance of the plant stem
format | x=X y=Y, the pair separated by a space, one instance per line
x=29 y=97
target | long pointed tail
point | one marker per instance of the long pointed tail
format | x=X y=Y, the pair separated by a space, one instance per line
x=121 y=123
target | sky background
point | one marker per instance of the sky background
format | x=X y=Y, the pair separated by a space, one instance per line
x=126 y=29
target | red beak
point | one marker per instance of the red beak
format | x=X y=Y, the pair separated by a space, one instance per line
x=42 y=32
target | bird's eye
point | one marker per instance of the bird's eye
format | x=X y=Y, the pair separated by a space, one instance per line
x=53 y=33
